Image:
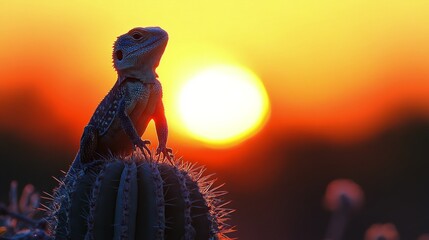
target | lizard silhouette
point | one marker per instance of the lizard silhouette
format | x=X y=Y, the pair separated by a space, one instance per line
x=135 y=99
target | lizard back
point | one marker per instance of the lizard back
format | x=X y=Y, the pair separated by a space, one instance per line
x=107 y=110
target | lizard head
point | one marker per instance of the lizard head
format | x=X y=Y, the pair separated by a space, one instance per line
x=136 y=54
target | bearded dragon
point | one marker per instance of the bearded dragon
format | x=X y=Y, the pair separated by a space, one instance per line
x=135 y=99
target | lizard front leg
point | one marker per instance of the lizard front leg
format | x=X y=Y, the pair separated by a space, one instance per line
x=162 y=131
x=130 y=130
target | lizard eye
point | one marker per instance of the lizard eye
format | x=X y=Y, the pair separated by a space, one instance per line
x=119 y=55
x=137 y=36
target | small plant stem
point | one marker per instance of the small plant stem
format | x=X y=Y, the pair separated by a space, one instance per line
x=339 y=220
x=19 y=217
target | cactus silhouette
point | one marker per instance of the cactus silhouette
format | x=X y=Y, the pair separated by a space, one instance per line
x=138 y=198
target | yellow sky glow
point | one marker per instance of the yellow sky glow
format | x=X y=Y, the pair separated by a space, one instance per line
x=310 y=54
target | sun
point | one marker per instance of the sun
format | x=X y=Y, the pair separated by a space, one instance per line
x=223 y=105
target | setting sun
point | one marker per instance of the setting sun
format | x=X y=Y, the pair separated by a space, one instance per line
x=223 y=105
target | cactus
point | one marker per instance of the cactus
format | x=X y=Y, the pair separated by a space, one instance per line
x=138 y=198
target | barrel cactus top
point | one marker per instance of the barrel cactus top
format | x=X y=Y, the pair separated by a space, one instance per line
x=138 y=198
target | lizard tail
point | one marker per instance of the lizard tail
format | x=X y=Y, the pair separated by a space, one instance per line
x=88 y=144
x=87 y=149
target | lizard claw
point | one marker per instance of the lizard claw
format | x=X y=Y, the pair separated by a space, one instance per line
x=142 y=145
x=166 y=152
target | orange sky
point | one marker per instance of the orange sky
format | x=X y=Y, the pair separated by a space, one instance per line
x=335 y=68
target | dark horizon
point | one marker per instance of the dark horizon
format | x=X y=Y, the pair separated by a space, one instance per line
x=391 y=167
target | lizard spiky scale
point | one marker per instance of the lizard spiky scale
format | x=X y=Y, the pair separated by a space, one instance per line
x=107 y=110
x=143 y=199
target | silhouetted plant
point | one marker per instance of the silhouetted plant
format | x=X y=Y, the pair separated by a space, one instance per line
x=382 y=232
x=135 y=198
x=17 y=219
x=423 y=237
x=342 y=197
